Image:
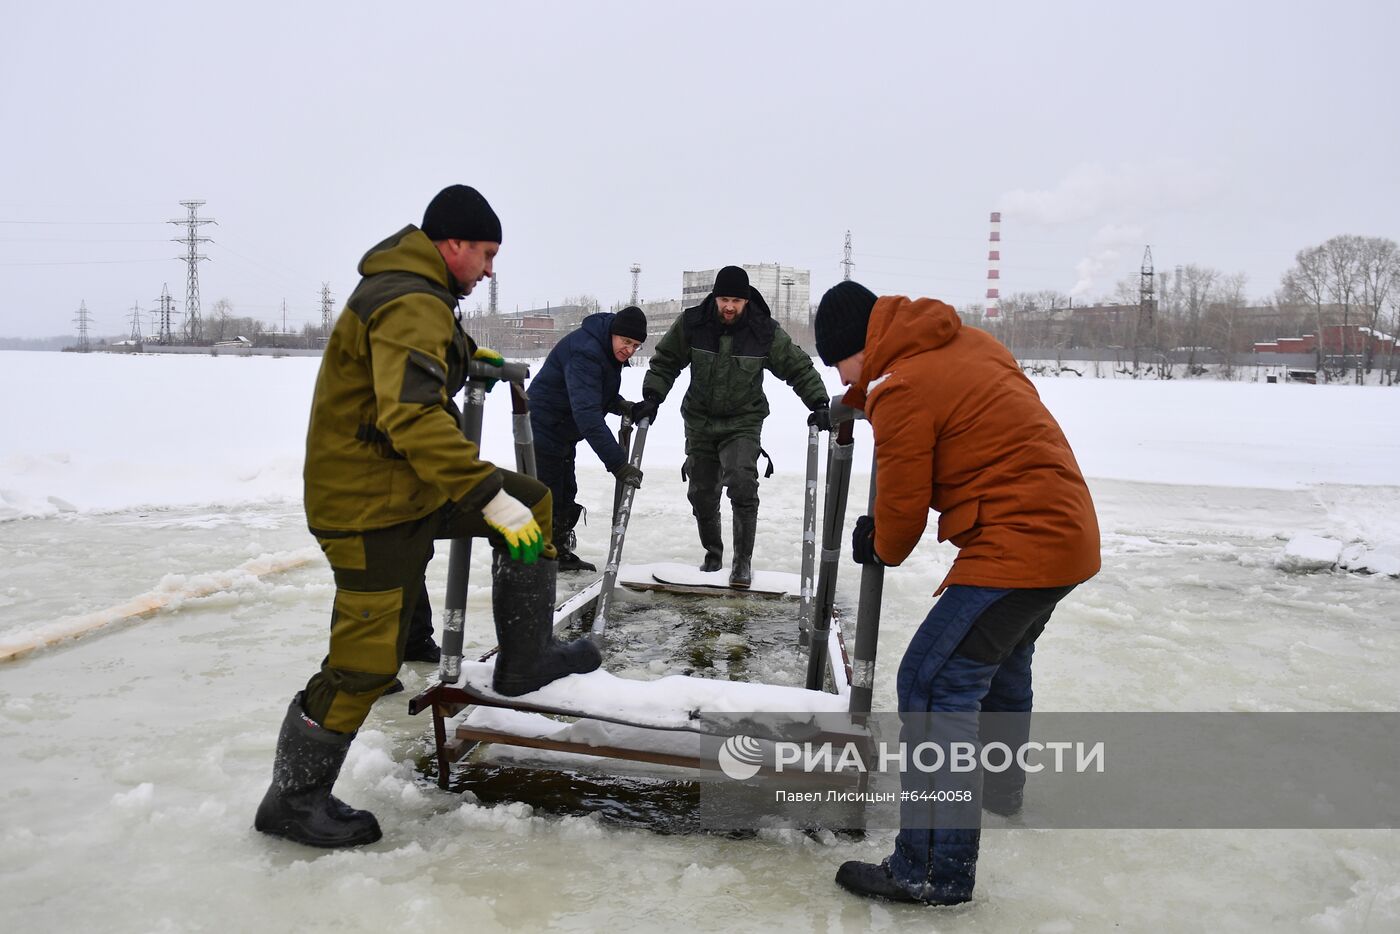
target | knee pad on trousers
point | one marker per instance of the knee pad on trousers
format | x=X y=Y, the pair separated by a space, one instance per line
x=704 y=490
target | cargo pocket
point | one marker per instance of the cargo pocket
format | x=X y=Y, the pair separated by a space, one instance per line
x=957 y=521
x=366 y=631
x=346 y=552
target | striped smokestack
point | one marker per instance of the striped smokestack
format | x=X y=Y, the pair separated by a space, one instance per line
x=994 y=268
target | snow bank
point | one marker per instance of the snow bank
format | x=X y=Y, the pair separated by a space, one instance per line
x=104 y=432
x=1318 y=553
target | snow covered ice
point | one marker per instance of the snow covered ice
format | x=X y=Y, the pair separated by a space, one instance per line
x=133 y=758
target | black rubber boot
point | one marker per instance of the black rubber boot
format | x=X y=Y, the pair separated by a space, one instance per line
x=522 y=601
x=299 y=804
x=421 y=647
x=874 y=880
x=741 y=569
x=564 y=543
x=1006 y=803
x=713 y=540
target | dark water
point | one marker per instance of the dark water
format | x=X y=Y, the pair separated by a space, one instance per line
x=651 y=634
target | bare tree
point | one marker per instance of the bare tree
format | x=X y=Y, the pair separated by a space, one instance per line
x=1031 y=320
x=586 y=304
x=1198 y=290
x=1343 y=282
x=1224 y=315
x=1378 y=269
x=217 y=325
x=1306 y=284
x=1393 y=358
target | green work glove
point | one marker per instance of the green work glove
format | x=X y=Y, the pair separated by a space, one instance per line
x=487 y=355
x=509 y=516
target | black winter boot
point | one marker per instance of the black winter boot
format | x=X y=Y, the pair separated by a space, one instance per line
x=713 y=540
x=741 y=570
x=564 y=543
x=874 y=880
x=299 y=804
x=522 y=601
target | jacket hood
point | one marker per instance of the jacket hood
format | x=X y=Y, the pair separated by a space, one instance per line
x=757 y=307
x=411 y=251
x=900 y=327
x=599 y=326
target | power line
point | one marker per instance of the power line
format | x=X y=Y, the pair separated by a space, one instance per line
x=84 y=223
x=78 y=240
x=90 y=262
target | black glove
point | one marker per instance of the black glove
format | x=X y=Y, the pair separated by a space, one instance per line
x=624 y=408
x=645 y=410
x=863 y=543
x=628 y=475
x=821 y=417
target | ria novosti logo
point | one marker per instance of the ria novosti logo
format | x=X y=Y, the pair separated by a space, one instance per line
x=740 y=757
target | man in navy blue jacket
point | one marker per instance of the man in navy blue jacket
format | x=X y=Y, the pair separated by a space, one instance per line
x=575 y=388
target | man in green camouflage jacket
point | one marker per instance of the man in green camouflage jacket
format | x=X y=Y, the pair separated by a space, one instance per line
x=728 y=340
x=388 y=471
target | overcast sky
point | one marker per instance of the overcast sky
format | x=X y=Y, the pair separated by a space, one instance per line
x=683 y=136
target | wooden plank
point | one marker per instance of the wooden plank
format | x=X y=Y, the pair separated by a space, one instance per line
x=707 y=763
x=699 y=591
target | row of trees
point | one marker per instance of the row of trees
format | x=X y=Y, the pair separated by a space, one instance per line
x=222 y=324
x=1359 y=275
x=1199 y=313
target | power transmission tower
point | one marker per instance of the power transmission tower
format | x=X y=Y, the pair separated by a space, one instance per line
x=164 y=335
x=847 y=262
x=787 y=310
x=82 y=321
x=636 y=275
x=325 y=309
x=1147 y=303
x=192 y=258
x=136 y=322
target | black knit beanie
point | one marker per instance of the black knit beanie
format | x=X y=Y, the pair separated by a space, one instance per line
x=630 y=322
x=459 y=212
x=732 y=282
x=842 y=317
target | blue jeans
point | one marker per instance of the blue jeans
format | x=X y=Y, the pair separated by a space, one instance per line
x=939 y=858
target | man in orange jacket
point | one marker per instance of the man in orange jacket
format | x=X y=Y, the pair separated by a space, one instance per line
x=958 y=429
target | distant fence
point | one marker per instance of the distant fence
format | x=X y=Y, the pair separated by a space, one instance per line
x=1118 y=355
x=216 y=351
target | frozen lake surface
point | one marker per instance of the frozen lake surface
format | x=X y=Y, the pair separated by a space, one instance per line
x=134 y=758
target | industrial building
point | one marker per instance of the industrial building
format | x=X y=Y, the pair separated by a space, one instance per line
x=786 y=289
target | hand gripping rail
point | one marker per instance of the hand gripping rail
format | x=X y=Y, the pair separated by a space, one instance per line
x=621 y=515
x=479 y=375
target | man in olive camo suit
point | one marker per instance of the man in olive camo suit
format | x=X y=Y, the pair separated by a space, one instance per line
x=388 y=471
x=728 y=340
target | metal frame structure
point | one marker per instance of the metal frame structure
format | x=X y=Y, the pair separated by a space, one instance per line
x=819 y=628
